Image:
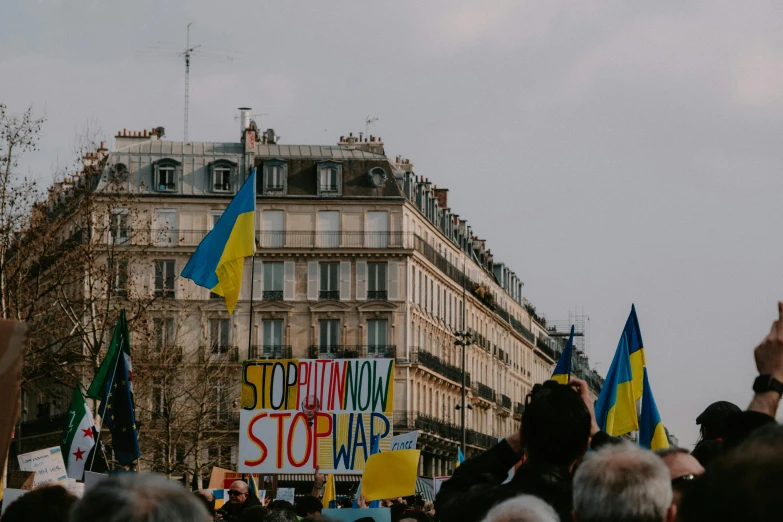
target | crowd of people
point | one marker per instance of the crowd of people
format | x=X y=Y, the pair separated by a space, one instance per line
x=567 y=469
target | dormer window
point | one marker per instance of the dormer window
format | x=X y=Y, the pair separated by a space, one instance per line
x=221 y=174
x=329 y=179
x=165 y=175
x=275 y=177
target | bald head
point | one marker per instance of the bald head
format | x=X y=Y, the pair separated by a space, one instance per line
x=238 y=492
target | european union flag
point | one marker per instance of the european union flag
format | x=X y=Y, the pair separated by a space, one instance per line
x=118 y=413
x=562 y=373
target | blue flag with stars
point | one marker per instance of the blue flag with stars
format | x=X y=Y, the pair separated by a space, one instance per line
x=118 y=414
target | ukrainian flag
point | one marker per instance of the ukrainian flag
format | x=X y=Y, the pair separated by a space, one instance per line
x=562 y=372
x=652 y=435
x=633 y=334
x=615 y=409
x=218 y=261
x=460 y=457
x=330 y=493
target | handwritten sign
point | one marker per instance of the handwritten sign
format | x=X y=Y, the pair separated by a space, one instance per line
x=405 y=441
x=286 y=494
x=301 y=413
x=48 y=466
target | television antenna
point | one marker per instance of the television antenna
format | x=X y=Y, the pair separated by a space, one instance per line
x=369 y=121
x=204 y=53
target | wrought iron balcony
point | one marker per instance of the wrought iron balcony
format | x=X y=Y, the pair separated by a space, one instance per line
x=352 y=352
x=505 y=401
x=270 y=352
x=519 y=408
x=379 y=295
x=414 y=420
x=485 y=392
x=273 y=295
x=329 y=295
x=439 y=366
x=219 y=352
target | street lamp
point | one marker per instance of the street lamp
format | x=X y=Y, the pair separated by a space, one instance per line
x=463 y=340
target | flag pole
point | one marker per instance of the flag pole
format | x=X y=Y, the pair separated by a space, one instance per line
x=252 y=272
x=111 y=382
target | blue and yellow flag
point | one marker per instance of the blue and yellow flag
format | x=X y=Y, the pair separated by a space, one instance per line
x=652 y=435
x=460 y=457
x=330 y=493
x=633 y=334
x=562 y=373
x=218 y=261
x=615 y=409
x=252 y=487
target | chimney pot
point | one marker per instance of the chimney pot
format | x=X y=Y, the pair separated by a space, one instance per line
x=124 y=132
x=350 y=134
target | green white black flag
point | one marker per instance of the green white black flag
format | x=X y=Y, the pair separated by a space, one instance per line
x=78 y=436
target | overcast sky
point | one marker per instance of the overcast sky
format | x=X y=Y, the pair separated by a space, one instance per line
x=610 y=153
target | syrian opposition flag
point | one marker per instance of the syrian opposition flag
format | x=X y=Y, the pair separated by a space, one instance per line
x=78 y=435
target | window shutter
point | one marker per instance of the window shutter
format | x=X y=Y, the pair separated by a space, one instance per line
x=393 y=283
x=312 y=281
x=361 y=280
x=258 y=280
x=289 y=280
x=345 y=280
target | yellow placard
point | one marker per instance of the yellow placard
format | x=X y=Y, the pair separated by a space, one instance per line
x=390 y=474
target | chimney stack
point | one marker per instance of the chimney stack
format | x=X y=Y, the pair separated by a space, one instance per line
x=244 y=119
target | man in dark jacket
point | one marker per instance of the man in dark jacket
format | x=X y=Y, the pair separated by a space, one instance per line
x=712 y=422
x=239 y=500
x=557 y=427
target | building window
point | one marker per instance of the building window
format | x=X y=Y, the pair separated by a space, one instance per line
x=273 y=281
x=376 y=278
x=329 y=229
x=273 y=336
x=274 y=181
x=330 y=281
x=163 y=329
x=119 y=227
x=377 y=235
x=221 y=179
x=376 y=337
x=158 y=400
x=164 y=279
x=328 y=335
x=118 y=277
x=165 y=175
x=272 y=229
x=329 y=179
x=219 y=335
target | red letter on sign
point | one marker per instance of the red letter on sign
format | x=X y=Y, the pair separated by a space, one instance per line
x=256 y=440
x=280 y=436
x=308 y=447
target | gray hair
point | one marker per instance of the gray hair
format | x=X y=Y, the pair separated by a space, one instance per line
x=622 y=483
x=671 y=450
x=139 y=498
x=281 y=515
x=524 y=508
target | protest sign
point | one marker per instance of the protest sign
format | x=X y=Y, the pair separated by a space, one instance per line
x=91 y=479
x=351 y=515
x=75 y=488
x=21 y=480
x=286 y=494
x=405 y=441
x=12 y=335
x=217 y=477
x=221 y=497
x=301 y=413
x=48 y=466
x=391 y=474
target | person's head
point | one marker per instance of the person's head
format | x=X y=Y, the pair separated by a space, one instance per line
x=396 y=511
x=744 y=484
x=309 y=506
x=281 y=505
x=524 y=508
x=623 y=483
x=556 y=424
x=50 y=503
x=415 y=515
x=206 y=496
x=712 y=421
x=345 y=503
x=254 y=514
x=139 y=498
x=239 y=492
x=281 y=515
x=683 y=470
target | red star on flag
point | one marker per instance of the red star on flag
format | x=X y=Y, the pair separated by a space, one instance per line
x=79 y=454
x=87 y=432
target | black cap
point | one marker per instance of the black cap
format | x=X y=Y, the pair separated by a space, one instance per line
x=714 y=417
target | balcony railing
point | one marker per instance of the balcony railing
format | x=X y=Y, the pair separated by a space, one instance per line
x=505 y=401
x=379 y=295
x=413 y=420
x=220 y=353
x=519 y=408
x=485 y=392
x=168 y=354
x=272 y=295
x=270 y=352
x=352 y=352
x=329 y=295
x=439 y=366
x=542 y=345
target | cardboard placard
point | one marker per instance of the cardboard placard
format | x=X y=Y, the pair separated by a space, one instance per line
x=217 y=477
x=301 y=413
x=286 y=494
x=48 y=466
x=91 y=479
x=75 y=488
x=21 y=480
x=405 y=441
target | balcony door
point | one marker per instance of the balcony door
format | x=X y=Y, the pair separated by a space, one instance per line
x=165 y=227
x=272 y=229
x=377 y=331
x=329 y=229
x=328 y=335
x=273 y=337
x=377 y=230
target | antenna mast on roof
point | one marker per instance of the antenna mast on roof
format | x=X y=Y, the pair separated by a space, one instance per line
x=369 y=121
x=204 y=53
